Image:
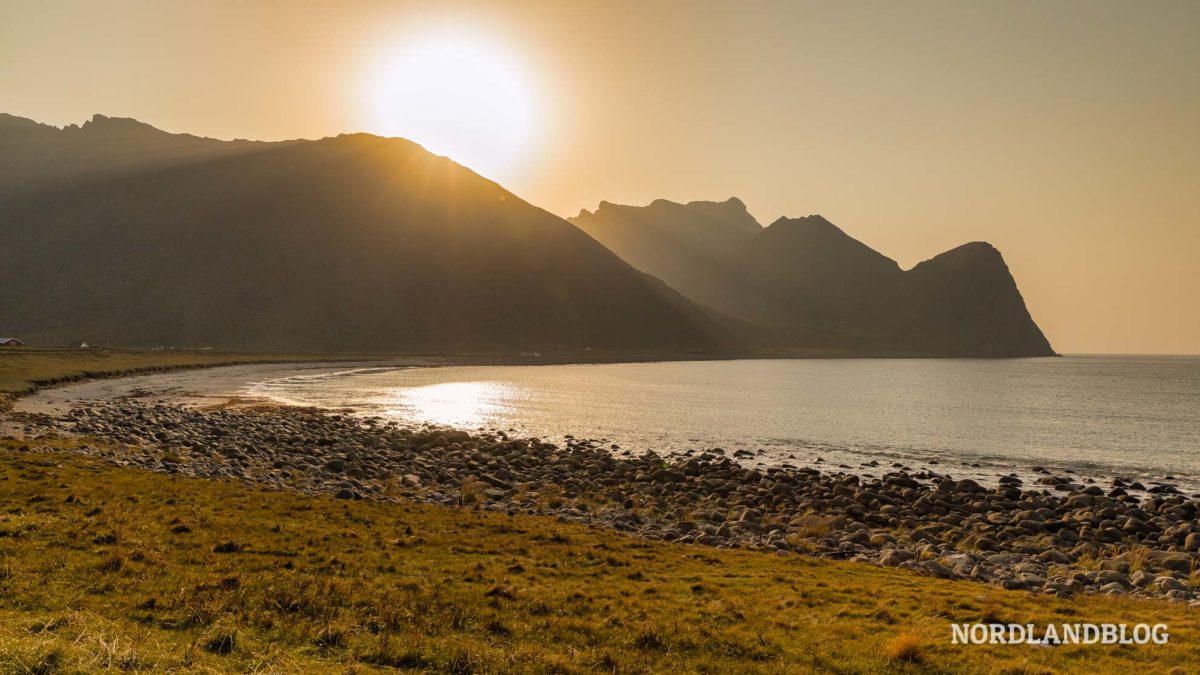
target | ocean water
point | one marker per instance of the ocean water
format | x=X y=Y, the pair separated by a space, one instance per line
x=1099 y=416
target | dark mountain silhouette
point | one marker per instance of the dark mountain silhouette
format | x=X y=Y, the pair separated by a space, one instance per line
x=688 y=244
x=128 y=235
x=39 y=155
x=805 y=284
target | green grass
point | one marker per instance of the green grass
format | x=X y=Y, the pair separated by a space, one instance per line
x=108 y=567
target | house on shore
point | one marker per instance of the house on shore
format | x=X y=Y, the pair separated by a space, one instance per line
x=10 y=342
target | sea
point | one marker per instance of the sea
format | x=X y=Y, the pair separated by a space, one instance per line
x=1099 y=417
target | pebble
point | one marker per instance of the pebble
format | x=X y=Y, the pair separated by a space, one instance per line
x=1035 y=537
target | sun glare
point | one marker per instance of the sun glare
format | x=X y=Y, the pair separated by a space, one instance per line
x=459 y=96
x=466 y=404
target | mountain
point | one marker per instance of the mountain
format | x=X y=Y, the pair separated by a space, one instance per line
x=687 y=244
x=803 y=283
x=119 y=233
x=37 y=155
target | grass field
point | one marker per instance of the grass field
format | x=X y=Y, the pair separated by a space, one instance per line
x=105 y=567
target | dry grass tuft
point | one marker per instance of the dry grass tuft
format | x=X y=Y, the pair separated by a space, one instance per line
x=907 y=647
x=471 y=492
x=813 y=525
x=1137 y=557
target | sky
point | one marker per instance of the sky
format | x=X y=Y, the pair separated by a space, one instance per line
x=1064 y=132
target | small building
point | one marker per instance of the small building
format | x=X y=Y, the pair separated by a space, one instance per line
x=10 y=342
x=80 y=344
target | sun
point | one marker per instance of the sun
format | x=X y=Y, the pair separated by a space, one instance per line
x=461 y=96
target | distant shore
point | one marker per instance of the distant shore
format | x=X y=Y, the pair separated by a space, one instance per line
x=24 y=371
x=1060 y=536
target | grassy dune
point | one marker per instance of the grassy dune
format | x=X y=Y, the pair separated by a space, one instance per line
x=109 y=567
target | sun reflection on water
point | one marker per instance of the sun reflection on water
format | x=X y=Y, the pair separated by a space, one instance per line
x=461 y=404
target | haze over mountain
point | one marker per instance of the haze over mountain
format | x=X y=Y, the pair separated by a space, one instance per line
x=118 y=233
x=804 y=283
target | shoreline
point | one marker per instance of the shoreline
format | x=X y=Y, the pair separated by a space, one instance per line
x=10 y=395
x=1060 y=538
x=983 y=467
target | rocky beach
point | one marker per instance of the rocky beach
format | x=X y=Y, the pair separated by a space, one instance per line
x=1056 y=534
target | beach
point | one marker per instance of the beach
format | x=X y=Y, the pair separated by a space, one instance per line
x=1058 y=534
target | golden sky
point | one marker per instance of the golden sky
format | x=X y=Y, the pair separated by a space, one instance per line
x=1067 y=133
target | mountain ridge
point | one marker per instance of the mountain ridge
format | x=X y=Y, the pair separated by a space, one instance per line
x=125 y=234
x=808 y=284
x=348 y=243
